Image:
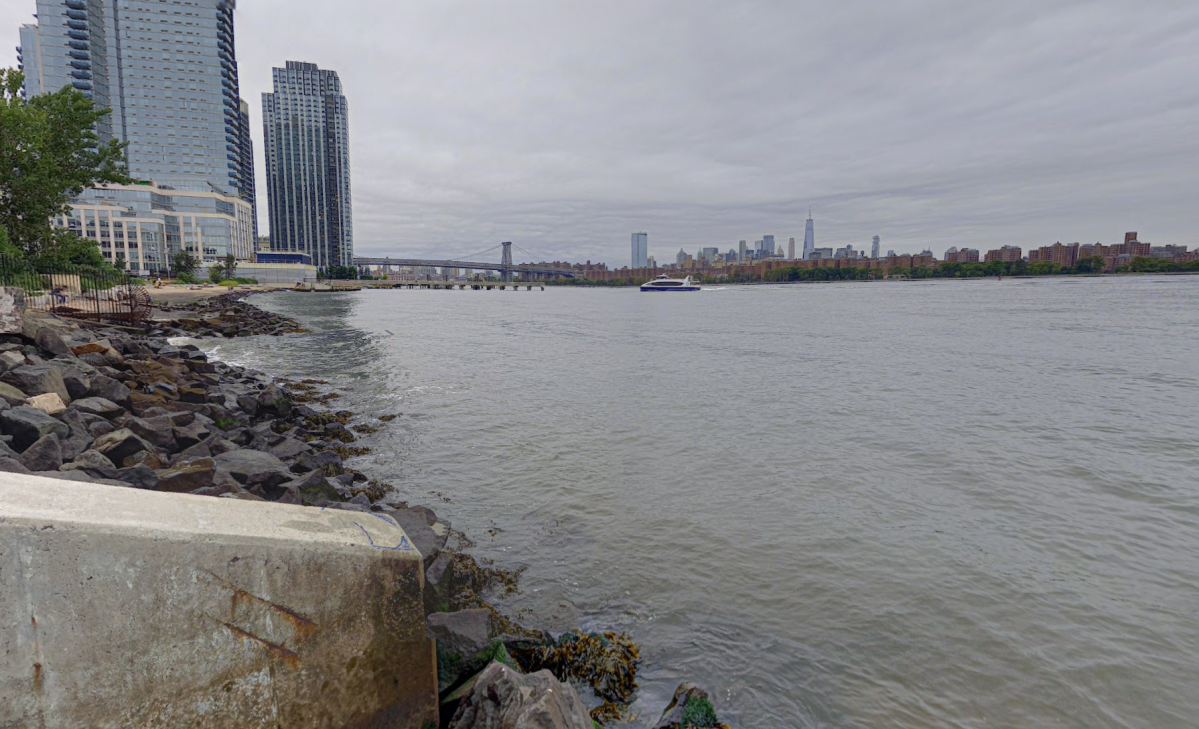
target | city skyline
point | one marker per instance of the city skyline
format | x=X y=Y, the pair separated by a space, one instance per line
x=463 y=152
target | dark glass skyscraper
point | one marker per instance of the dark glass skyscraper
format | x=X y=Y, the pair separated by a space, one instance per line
x=308 y=165
x=245 y=146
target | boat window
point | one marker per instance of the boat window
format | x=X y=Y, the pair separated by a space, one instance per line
x=668 y=283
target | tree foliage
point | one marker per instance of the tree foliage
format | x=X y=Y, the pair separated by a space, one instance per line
x=338 y=272
x=1158 y=265
x=183 y=262
x=49 y=154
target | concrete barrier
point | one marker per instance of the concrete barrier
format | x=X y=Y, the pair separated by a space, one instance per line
x=127 y=608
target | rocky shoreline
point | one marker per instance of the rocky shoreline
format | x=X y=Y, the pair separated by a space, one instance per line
x=102 y=404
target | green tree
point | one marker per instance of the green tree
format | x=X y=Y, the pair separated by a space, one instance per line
x=184 y=263
x=216 y=273
x=230 y=267
x=49 y=154
x=338 y=272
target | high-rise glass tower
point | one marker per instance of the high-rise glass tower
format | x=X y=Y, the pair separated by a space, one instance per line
x=809 y=238
x=640 y=246
x=245 y=172
x=768 y=248
x=168 y=72
x=874 y=247
x=305 y=123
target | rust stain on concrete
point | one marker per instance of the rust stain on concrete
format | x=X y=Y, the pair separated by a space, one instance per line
x=276 y=649
x=303 y=625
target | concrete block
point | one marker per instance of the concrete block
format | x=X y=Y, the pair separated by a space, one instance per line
x=126 y=608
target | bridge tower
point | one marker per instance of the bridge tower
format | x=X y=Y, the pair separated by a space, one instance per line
x=506 y=262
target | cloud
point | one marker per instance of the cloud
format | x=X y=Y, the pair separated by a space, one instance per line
x=564 y=126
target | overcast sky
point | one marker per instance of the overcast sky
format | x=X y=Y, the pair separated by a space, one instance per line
x=565 y=126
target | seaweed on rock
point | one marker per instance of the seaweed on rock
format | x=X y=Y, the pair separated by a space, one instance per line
x=605 y=661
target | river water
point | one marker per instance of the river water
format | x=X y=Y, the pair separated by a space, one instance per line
x=910 y=504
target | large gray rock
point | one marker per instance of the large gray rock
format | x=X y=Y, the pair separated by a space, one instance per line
x=109 y=389
x=12 y=465
x=289 y=448
x=502 y=698
x=439 y=584
x=139 y=476
x=38 y=380
x=44 y=455
x=119 y=445
x=702 y=714
x=313 y=461
x=313 y=488
x=250 y=467
x=187 y=436
x=76 y=444
x=188 y=476
x=463 y=633
x=98 y=406
x=416 y=526
x=76 y=382
x=51 y=341
x=10 y=394
x=28 y=425
x=93 y=462
x=159 y=430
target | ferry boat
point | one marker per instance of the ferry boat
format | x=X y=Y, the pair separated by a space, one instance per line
x=662 y=283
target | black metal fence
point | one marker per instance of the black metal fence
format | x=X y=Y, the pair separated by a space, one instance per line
x=79 y=292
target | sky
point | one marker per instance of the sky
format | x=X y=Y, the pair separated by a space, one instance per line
x=565 y=126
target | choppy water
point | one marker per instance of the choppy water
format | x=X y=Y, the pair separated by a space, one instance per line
x=942 y=504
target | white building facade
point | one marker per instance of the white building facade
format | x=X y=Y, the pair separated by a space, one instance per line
x=145 y=225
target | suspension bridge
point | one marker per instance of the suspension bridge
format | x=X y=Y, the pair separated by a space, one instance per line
x=505 y=267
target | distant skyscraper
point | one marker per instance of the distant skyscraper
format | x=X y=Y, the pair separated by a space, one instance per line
x=809 y=238
x=640 y=246
x=245 y=164
x=767 y=246
x=791 y=249
x=305 y=124
x=874 y=248
x=741 y=251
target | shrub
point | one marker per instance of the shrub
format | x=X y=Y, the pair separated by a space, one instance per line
x=185 y=277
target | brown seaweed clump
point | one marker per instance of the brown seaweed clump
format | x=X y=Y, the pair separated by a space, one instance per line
x=605 y=661
x=472 y=580
x=345 y=453
x=388 y=418
x=374 y=489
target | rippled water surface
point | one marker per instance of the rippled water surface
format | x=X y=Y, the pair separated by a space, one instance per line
x=922 y=505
